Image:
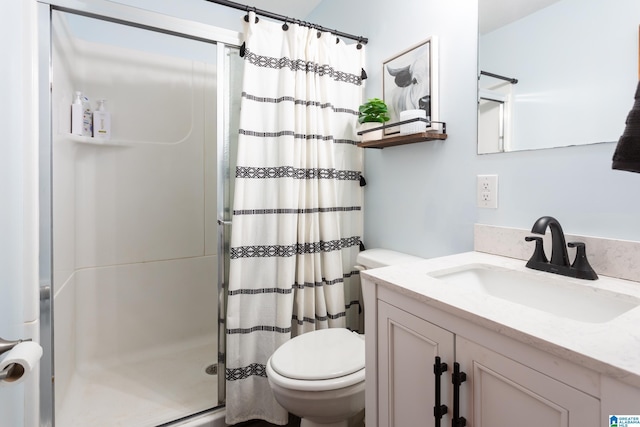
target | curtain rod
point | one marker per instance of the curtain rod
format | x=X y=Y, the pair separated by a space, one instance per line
x=498 y=76
x=272 y=15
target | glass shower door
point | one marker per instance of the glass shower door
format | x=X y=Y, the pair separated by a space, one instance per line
x=135 y=233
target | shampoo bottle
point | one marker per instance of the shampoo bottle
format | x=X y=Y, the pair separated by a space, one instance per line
x=76 y=115
x=87 y=117
x=101 y=121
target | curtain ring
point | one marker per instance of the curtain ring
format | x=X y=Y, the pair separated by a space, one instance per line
x=285 y=27
x=246 y=17
x=359 y=45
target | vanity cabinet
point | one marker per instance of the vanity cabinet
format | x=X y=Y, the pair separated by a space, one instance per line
x=407 y=348
x=503 y=392
x=499 y=389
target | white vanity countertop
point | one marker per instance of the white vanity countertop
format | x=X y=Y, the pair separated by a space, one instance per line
x=611 y=348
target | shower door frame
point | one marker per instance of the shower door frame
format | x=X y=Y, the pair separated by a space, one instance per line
x=147 y=20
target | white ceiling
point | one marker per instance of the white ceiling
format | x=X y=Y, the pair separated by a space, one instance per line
x=496 y=13
x=298 y=9
x=493 y=13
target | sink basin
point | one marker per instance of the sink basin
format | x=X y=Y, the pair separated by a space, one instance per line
x=542 y=291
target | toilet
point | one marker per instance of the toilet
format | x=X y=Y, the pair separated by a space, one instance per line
x=319 y=376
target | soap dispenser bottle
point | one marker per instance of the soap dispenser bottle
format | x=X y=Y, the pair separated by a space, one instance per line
x=101 y=121
x=77 y=115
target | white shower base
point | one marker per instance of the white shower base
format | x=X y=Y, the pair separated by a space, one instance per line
x=143 y=391
x=214 y=418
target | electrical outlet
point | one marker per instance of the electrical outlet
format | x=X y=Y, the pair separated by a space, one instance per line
x=487 y=191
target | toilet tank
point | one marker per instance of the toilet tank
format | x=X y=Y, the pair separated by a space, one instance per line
x=374 y=258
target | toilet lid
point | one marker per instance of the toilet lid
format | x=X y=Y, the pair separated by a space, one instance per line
x=319 y=355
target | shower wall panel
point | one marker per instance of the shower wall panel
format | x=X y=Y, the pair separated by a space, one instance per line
x=119 y=316
x=142 y=198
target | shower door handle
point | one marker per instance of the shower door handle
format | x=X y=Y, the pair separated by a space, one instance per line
x=222 y=236
x=222 y=248
x=222 y=304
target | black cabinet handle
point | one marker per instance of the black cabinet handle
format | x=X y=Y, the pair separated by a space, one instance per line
x=458 y=378
x=439 y=410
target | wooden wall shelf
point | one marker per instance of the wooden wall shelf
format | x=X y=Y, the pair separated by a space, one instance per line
x=412 y=138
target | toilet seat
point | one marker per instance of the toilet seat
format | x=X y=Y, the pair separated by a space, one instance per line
x=320 y=360
x=320 y=355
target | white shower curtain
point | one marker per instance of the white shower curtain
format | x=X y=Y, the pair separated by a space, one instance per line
x=297 y=219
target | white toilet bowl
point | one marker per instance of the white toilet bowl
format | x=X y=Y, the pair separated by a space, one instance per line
x=324 y=388
x=319 y=376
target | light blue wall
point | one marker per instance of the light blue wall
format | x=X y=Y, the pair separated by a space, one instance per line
x=421 y=197
x=12 y=159
x=13 y=191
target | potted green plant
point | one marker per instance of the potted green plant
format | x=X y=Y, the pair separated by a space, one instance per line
x=373 y=113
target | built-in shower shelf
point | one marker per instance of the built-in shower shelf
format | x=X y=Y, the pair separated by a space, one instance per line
x=411 y=138
x=94 y=141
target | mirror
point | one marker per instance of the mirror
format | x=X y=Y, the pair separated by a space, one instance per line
x=575 y=64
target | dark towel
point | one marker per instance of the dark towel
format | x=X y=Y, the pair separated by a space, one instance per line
x=627 y=154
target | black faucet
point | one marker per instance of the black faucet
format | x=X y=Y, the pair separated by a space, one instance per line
x=559 y=263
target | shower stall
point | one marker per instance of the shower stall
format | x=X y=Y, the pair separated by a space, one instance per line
x=135 y=227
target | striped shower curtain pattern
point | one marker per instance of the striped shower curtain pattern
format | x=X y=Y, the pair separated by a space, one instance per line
x=297 y=219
